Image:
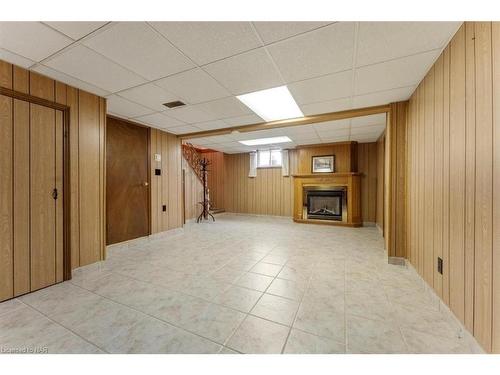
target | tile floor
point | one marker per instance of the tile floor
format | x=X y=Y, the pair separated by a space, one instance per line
x=240 y=285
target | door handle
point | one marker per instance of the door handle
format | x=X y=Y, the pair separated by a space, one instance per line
x=145 y=183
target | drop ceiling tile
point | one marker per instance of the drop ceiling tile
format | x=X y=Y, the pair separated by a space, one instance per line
x=138 y=47
x=382 y=97
x=243 y=120
x=72 y=81
x=183 y=129
x=15 y=59
x=304 y=138
x=393 y=74
x=247 y=72
x=326 y=107
x=308 y=142
x=378 y=119
x=334 y=139
x=365 y=138
x=333 y=133
x=331 y=125
x=159 y=120
x=224 y=108
x=32 y=40
x=193 y=86
x=87 y=65
x=323 y=51
x=125 y=108
x=149 y=95
x=368 y=130
x=381 y=41
x=300 y=130
x=189 y=114
x=204 y=141
x=205 y=42
x=324 y=88
x=75 y=29
x=211 y=125
x=274 y=31
x=257 y=134
x=218 y=139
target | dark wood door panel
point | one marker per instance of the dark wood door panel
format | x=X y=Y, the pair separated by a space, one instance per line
x=127 y=181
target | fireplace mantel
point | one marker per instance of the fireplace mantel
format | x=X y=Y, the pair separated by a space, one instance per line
x=351 y=181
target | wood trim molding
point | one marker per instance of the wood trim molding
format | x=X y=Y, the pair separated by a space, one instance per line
x=331 y=116
x=66 y=169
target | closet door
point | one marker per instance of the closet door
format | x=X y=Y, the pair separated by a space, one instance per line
x=43 y=206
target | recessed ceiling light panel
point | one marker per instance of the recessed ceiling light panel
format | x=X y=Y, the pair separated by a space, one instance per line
x=272 y=104
x=265 y=141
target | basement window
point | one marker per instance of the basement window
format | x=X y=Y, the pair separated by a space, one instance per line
x=269 y=158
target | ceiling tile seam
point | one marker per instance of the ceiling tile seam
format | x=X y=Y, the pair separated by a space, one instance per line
x=353 y=78
x=385 y=90
x=283 y=81
x=329 y=23
x=193 y=62
x=74 y=44
x=440 y=49
x=82 y=37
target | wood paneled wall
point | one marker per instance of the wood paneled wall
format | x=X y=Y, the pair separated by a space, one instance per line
x=166 y=189
x=380 y=182
x=367 y=166
x=395 y=181
x=215 y=178
x=453 y=174
x=87 y=156
x=345 y=157
x=193 y=192
x=267 y=194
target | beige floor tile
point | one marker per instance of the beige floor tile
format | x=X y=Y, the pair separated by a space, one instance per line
x=287 y=288
x=267 y=269
x=258 y=336
x=238 y=298
x=277 y=309
x=254 y=281
x=371 y=336
x=300 y=342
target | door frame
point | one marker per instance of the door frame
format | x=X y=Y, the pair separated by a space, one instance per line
x=66 y=172
x=116 y=118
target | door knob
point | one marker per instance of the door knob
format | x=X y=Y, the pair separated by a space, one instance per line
x=146 y=183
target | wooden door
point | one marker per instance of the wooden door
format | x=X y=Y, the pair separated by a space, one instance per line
x=31 y=214
x=45 y=196
x=127 y=181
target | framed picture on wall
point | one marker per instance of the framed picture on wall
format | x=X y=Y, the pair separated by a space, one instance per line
x=323 y=164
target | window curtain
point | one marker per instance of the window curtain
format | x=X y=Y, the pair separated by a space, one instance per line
x=284 y=163
x=252 y=172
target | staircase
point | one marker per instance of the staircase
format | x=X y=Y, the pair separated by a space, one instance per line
x=193 y=158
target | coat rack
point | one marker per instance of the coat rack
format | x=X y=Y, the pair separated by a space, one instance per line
x=205 y=213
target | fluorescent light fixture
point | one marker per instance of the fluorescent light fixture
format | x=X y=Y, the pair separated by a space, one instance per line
x=265 y=141
x=272 y=104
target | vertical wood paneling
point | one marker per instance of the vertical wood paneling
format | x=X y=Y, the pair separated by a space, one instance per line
x=21 y=175
x=465 y=160
x=367 y=166
x=72 y=95
x=470 y=174
x=438 y=174
x=496 y=183
x=6 y=234
x=457 y=174
x=446 y=175
x=83 y=152
x=484 y=186
x=58 y=175
x=89 y=194
x=42 y=205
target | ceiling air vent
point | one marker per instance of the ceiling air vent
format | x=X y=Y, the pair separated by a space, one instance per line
x=174 y=104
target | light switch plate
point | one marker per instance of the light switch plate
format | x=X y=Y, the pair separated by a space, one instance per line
x=157 y=157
